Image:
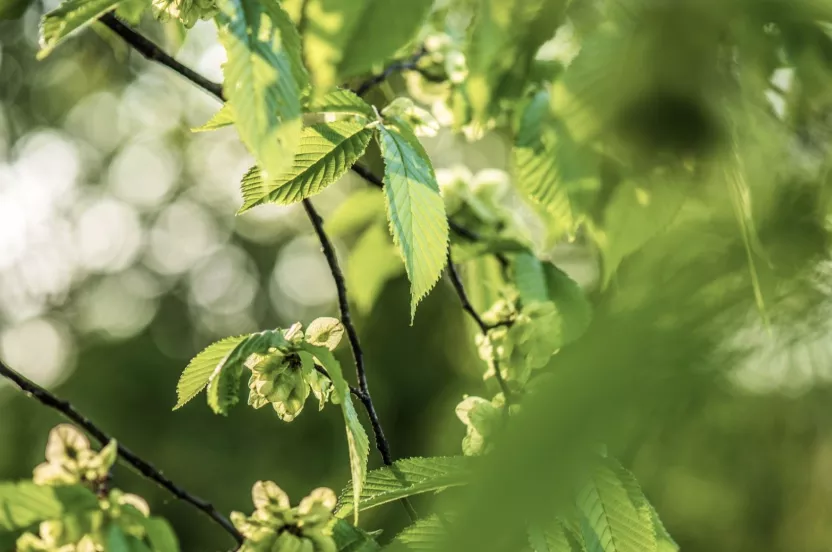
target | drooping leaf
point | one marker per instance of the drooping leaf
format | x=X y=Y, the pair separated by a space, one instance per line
x=406 y=478
x=260 y=82
x=70 y=16
x=24 y=504
x=372 y=263
x=415 y=209
x=611 y=521
x=345 y=38
x=551 y=169
x=349 y=538
x=357 y=441
x=199 y=370
x=326 y=152
x=160 y=535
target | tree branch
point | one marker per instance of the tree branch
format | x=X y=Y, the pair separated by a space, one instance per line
x=484 y=327
x=408 y=64
x=366 y=399
x=69 y=412
x=154 y=53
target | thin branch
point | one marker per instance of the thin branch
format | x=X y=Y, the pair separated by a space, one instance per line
x=353 y=390
x=484 y=327
x=366 y=399
x=68 y=411
x=154 y=53
x=409 y=64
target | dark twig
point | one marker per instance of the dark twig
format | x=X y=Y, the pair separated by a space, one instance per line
x=68 y=411
x=353 y=390
x=364 y=396
x=409 y=64
x=154 y=53
x=484 y=327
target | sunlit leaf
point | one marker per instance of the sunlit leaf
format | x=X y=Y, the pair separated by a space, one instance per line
x=414 y=208
x=325 y=153
x=405 y=478
x=260 y=82
x=68 y=17
x=344 y=38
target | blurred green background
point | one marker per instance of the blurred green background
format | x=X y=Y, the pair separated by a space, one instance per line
x=121 y=257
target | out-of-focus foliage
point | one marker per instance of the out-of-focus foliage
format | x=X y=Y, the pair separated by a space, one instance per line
x=634 y=191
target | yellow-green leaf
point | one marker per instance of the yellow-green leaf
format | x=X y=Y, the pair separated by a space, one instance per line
x=415 y=209
x=326 y=152
x=68 y=17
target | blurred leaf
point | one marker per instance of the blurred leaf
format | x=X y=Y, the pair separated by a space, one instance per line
x=345 y=38
x=373 y=262
x=13 y=9
x=529 y=278
x=415 y=209
x=349 y=538
x=611 y=521
x=24 y=504
x=550 y=167
x=405 y=478
x=635 y=214
x=326 y=152
x=361 y=208
x=260 y=82
x=160 y=535
x=201 y=368
x=502 y=42
x=573 y=308
x=68 y=17
x=359 y=444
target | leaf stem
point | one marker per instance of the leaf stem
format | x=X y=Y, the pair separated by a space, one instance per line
x=69 y=412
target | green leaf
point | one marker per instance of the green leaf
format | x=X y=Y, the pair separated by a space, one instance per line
x=341 y=100
x=611 y=521
x=635 y=214
x=345 y=38
x=373 y=262
x=326 y=152
x=260 y=83
x=425 y=535
x=68 y=17
x=200 y=369
x=222 y=118
x=529 y=278
x=160 y=535
x=361 y=208
x=503 y=40
x=23 y=504
x=406 y=478
x=573 y=308
x=550 y=168
x=357 y=441
x=349 y=538
x=415 y=209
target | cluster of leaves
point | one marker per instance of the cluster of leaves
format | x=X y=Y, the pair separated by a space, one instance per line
x=603 y=149
x=69 y=507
